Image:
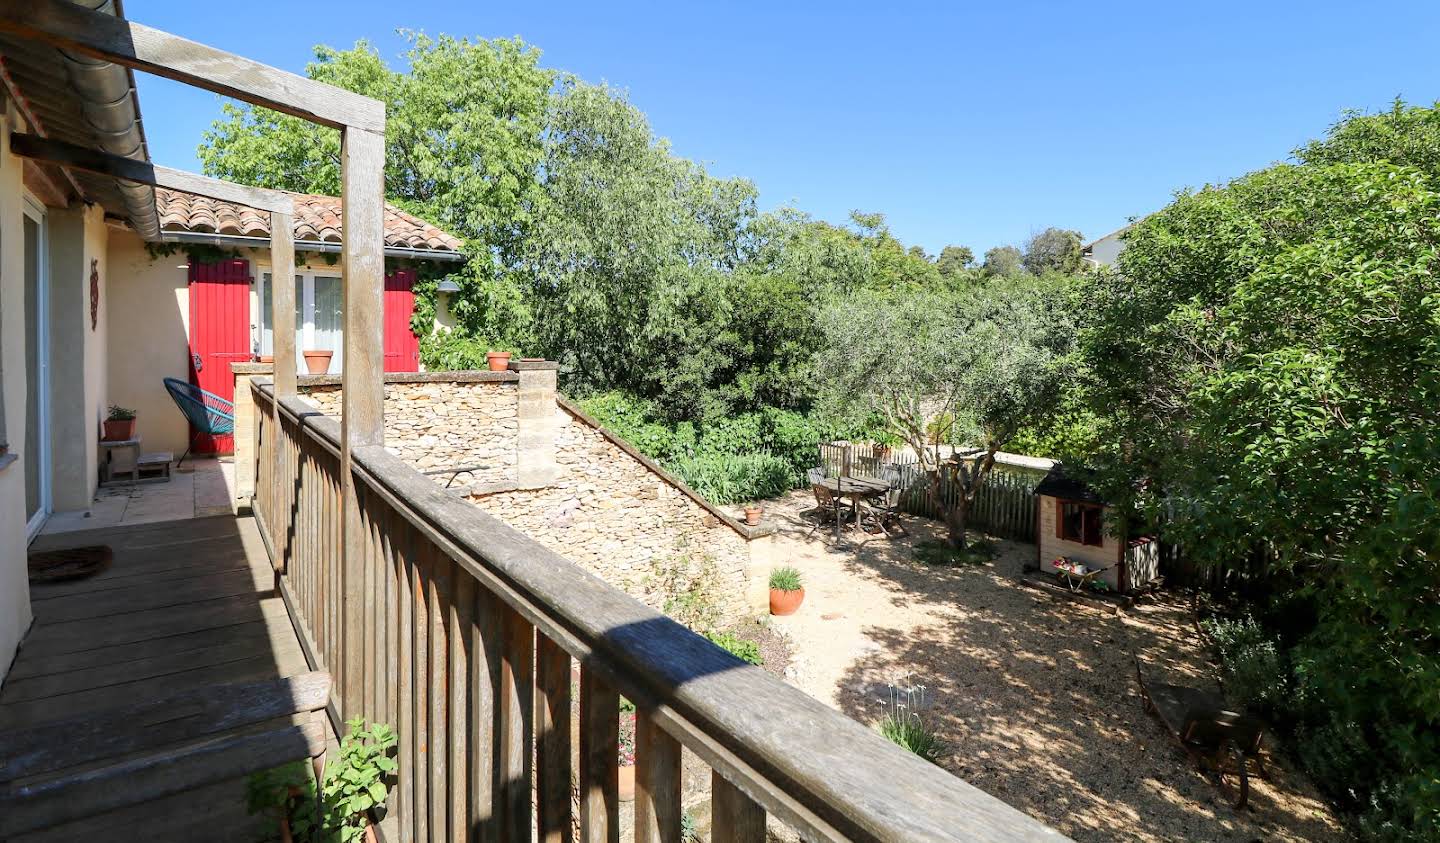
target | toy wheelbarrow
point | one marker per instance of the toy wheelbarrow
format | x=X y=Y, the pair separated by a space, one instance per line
x=1222 y=742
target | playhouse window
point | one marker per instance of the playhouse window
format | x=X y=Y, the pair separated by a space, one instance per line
x=1080 y=523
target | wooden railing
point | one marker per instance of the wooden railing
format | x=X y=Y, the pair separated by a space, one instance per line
x=461 y=633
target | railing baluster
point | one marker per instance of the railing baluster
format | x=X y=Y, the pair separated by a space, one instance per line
x=657 y=783
x=552 y=724
x=487 y=638
x=420 y=690
x=734 y=817
x=462 y=619
x=404 y=544
x=438 y=595
x=599 y=757
x=517 y=706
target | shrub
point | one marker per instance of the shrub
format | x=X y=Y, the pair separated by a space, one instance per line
x=905 y=727
x=741 y=648
x=1255 y=672
x=939 y=552
x=726 y=479
x=786 y=578
x=449 y=351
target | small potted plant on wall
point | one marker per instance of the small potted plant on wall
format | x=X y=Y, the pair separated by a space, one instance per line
x=498 y=361
x=119 y=424
x=317 y=362
x=786 y=592
x=753 y=512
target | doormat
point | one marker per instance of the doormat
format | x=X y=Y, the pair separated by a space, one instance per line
x=73 y=563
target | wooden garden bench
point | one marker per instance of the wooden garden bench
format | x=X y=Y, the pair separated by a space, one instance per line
x=66 y=770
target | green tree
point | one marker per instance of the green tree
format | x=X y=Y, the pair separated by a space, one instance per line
x=954 y=261
x=1002 y=262
x=983 y=362
x=1053 y=250
x=1267 y=361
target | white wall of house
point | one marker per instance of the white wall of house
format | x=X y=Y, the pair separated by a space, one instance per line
x=78 y=372
x=1099 y=556
x=15 y=613
x=149 y=315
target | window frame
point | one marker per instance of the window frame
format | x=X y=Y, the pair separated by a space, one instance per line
x=304 y=302
x=1089 y=535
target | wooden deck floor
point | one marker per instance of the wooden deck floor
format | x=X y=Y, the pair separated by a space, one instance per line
x=185 y=604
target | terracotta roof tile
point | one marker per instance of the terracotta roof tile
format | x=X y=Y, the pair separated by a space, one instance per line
x=317 y=218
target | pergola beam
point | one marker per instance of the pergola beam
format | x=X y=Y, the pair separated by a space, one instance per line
x=71 y=27
x=71 y=156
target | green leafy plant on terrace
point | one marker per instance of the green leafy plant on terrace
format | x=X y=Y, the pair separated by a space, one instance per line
x=354 y=785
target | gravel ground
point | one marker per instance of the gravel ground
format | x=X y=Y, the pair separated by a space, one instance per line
x=1035 y=696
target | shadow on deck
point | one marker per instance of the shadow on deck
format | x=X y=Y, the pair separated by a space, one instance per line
x=185 y=604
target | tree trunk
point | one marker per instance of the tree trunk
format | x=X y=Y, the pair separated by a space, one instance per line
x=955 y=519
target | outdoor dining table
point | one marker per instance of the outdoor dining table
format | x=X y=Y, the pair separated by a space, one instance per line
x=855 y=488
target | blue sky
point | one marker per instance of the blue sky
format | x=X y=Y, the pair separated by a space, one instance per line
x=976 y=124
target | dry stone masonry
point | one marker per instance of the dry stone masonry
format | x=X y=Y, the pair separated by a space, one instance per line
x=550 y=471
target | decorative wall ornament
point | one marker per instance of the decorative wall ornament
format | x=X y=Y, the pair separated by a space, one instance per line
x=94 y=293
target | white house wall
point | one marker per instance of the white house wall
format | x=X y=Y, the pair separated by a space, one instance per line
x=15 y=613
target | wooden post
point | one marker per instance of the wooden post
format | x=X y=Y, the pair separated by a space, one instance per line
x=599 y=749
x=362 y=403
x=282 y=301
x=658 y=817
x=735 y=818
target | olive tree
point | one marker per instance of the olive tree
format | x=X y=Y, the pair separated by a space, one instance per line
x=955 y=375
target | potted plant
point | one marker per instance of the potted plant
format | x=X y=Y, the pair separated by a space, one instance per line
x=752 y=514
x=119 y=424
x=498 y=361
x=354 y=787
x=786 y=592
x=317 y=362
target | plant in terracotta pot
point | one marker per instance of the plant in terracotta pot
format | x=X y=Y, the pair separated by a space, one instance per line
x=498 y=361
x=626 y=757
x=119 y=424
x=786 y=592
x=317 y=362
x=354 y=790
x=753 y=513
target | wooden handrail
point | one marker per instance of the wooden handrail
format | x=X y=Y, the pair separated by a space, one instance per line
x=448 y=580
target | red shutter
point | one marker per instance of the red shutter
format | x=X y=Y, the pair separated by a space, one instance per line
x=219 y=334
x=402 y=347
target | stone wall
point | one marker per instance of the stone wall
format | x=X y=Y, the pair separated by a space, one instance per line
x=612 y=514
x=438 y=424
x=555 y=474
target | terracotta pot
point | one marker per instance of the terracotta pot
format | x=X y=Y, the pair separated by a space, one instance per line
x=498 y=361
x=785 y=602
x=318 y=362
x=627 y=783
x=267 y=358
x=752 y=515
x=119 y=431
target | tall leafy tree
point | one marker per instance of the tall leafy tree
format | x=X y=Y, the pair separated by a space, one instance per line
x=1002 y=262
x=464 y=121
x=984 y=362
x=1265 y=361
x=954 y=261
x=1053 y=250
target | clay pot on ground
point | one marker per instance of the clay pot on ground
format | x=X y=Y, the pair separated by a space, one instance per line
x=498 y=361
x=318 y=362
x=786 y=602
x=752 y=515
x=118 y=430
x=627 y=783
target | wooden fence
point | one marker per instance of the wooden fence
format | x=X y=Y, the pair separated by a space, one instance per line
x=461 y=633
x=1005 y=506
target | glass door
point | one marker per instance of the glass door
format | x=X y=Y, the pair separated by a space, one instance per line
x=267 y=319
x=37 y=373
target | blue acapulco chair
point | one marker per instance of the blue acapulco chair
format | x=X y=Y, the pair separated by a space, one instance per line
x=208 y=413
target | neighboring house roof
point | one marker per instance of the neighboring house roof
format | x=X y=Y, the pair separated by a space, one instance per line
x=317 y=220
x=1069 y=486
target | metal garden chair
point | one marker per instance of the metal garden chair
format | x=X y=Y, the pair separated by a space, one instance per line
x=208 y=413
